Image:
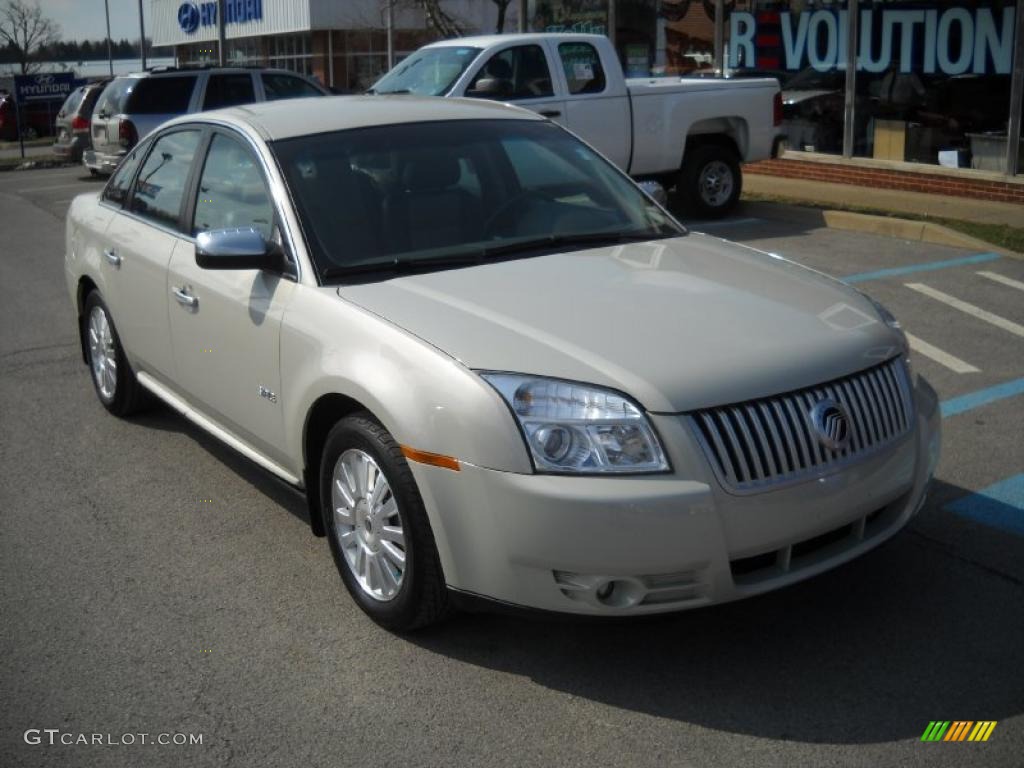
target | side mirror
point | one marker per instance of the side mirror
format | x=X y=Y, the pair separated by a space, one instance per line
x=242 y=248
x=491 y=88
x=654 y=190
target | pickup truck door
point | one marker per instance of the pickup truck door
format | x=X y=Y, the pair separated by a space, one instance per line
x=596 y=106
x=138 y=246
x=520 y=75
x=226 y=324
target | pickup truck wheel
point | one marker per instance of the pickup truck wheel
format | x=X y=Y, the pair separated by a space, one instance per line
x=112 y=377
x=711 y=180
x=377 y=527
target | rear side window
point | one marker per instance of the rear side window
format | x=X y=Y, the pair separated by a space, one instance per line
x=162 y=179
x=161 y=96
x=287 y=87
x=228 y=90
x=582 y=65
x=117 y=188
x=114 y=96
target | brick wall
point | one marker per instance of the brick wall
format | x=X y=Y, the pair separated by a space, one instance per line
x=978 y=189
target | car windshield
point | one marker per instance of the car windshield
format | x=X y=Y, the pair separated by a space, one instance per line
x=421 y=196
x=429 y=72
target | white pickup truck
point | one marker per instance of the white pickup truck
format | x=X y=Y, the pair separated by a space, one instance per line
x=690 y=133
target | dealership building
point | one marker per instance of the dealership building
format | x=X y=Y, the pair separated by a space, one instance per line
x=922 y=96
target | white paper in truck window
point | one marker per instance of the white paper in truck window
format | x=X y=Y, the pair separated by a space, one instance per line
x=583 y=70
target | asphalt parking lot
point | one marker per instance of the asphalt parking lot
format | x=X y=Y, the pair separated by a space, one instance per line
x=152 y=581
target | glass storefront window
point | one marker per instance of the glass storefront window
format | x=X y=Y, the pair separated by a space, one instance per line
x=933 y=82
x=803 y=44
x=658 y=38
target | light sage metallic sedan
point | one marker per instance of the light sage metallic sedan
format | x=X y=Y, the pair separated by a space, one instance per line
x=500 y=371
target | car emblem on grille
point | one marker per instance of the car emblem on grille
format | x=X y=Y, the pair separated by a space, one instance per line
x=831 y=423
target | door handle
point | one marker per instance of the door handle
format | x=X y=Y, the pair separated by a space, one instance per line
x=111 y=256
x=550 y=113
x=185 y=298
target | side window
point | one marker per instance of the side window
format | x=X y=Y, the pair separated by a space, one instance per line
x=232 y=191
x=228 y=90
x=514 y=73
x=287 y=87
x=161 y=95
x=582 y=65
x=161 y=184
x=117 y=188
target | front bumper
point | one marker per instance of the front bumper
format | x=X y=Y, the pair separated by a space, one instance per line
x=652 y=544
x=101 y=162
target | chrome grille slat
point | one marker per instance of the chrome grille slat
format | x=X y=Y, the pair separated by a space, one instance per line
x=771 y=441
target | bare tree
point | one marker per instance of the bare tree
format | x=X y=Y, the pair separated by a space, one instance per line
x=24 y=28
x=439 y=20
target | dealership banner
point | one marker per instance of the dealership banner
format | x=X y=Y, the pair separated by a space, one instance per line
x=948 y=39
x=44 y=87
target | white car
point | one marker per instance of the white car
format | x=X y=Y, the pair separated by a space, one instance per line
x=497 y=368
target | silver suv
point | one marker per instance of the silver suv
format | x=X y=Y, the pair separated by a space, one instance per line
x=133 y=105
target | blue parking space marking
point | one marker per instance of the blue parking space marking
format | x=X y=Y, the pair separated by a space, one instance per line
x=963 y=261
x=972 y=400
x=998 y=506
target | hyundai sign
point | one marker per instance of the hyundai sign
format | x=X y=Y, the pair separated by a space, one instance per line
x=56 y=85
x=192 y=15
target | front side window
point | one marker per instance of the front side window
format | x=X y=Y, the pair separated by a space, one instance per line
x=513 y=74
x=161 y=95
x=429 y=195
x=429 y=72
x=117 y=188
x=160 y=186
x=228 y=90
x=582 y=66
x=232 y=191
x=287 y=87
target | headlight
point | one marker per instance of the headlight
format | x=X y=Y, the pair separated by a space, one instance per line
x=577 y=428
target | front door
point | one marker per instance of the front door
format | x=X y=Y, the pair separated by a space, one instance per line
x=226 y=324
x=520 y=75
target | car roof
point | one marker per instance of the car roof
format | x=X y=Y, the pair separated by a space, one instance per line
x=484 y=41
x=175 y=71
x=288 y=118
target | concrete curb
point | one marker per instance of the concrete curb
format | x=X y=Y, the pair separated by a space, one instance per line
x=909 y=229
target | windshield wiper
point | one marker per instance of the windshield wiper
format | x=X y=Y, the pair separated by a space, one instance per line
x=485 y=255
x=583 y=238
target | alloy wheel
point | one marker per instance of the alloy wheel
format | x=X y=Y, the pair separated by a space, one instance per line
x=102 y=353
x=368 y=525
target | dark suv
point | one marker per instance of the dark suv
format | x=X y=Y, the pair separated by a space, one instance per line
x=73 y=121
x=133 y=105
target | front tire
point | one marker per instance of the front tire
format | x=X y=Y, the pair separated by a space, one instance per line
x=711 y=180
x=377 y=527
x=112 y=377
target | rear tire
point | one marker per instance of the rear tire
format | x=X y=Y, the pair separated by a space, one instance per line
x=377 y=527
x=112 y=378
x=711 y=180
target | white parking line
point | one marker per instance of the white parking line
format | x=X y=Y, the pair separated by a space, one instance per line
x=954 y=364
x=970 y=309
x=32 y=190
x=1003 y=279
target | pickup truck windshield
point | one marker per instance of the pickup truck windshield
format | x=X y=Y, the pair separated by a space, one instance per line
x=429 y=72
x=423 y=196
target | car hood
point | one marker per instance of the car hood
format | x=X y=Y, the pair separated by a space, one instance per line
x=678 y=324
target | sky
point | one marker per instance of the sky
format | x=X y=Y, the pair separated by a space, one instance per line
x=85 y=20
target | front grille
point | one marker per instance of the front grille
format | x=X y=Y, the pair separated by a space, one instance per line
x=771 y=441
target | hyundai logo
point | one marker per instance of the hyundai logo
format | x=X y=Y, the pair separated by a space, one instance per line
x=831 y=424
x=188 y=17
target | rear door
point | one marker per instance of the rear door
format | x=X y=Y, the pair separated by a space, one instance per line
x=596 y=109
x=140 y=240
x=520 y=75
